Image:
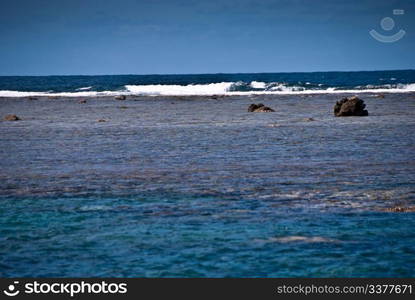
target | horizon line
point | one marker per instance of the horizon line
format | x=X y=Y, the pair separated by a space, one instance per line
x=218 y=73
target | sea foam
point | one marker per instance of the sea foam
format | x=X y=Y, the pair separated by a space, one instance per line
x=222 y=88
x=171 y=90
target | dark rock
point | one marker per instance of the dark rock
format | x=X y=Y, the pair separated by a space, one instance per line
x=32 y=98
x=102 y=120
x=351 y=106
x=11 y=118
x=254 y=106
x=400 y=209
x=309 y=119
x=82 y=101
x=259 y=108
x=120 y=97
x=264 y=109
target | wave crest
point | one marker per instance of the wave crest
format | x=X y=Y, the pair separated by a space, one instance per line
x=172 y=90
x=222 y=88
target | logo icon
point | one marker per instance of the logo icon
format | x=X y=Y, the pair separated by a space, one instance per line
x=388 y=24
x=11 y=290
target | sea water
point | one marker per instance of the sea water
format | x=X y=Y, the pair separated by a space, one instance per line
x=195 y=186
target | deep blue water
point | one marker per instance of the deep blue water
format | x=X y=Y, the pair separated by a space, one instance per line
x=198 y=187
x=241 y=82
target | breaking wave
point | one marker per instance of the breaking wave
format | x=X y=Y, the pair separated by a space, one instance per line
x=222 y=88
x=62 y=94
x=84 y=88
x=191 y=89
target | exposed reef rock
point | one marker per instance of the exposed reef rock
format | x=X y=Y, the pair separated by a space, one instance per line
x=259 y=108
x=400 y=209
x=351 y=106
x=11 y=118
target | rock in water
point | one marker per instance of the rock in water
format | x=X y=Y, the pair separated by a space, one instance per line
x=120 y=97
x=400 y=209
x=254 y=106
x=11 y=118
x=259 y=108
x=264 y=109
x=351 y=106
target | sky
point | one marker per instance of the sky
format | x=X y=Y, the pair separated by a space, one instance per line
x=91 y=37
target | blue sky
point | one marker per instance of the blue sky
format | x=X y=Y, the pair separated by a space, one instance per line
x=44 y=37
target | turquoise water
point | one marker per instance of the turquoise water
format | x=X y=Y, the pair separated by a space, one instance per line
x=199 y=187
x=198 y=237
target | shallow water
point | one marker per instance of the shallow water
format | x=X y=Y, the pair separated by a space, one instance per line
x=195 y=187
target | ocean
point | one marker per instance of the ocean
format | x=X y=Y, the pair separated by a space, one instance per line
x=180 y=180
x=209 y=84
